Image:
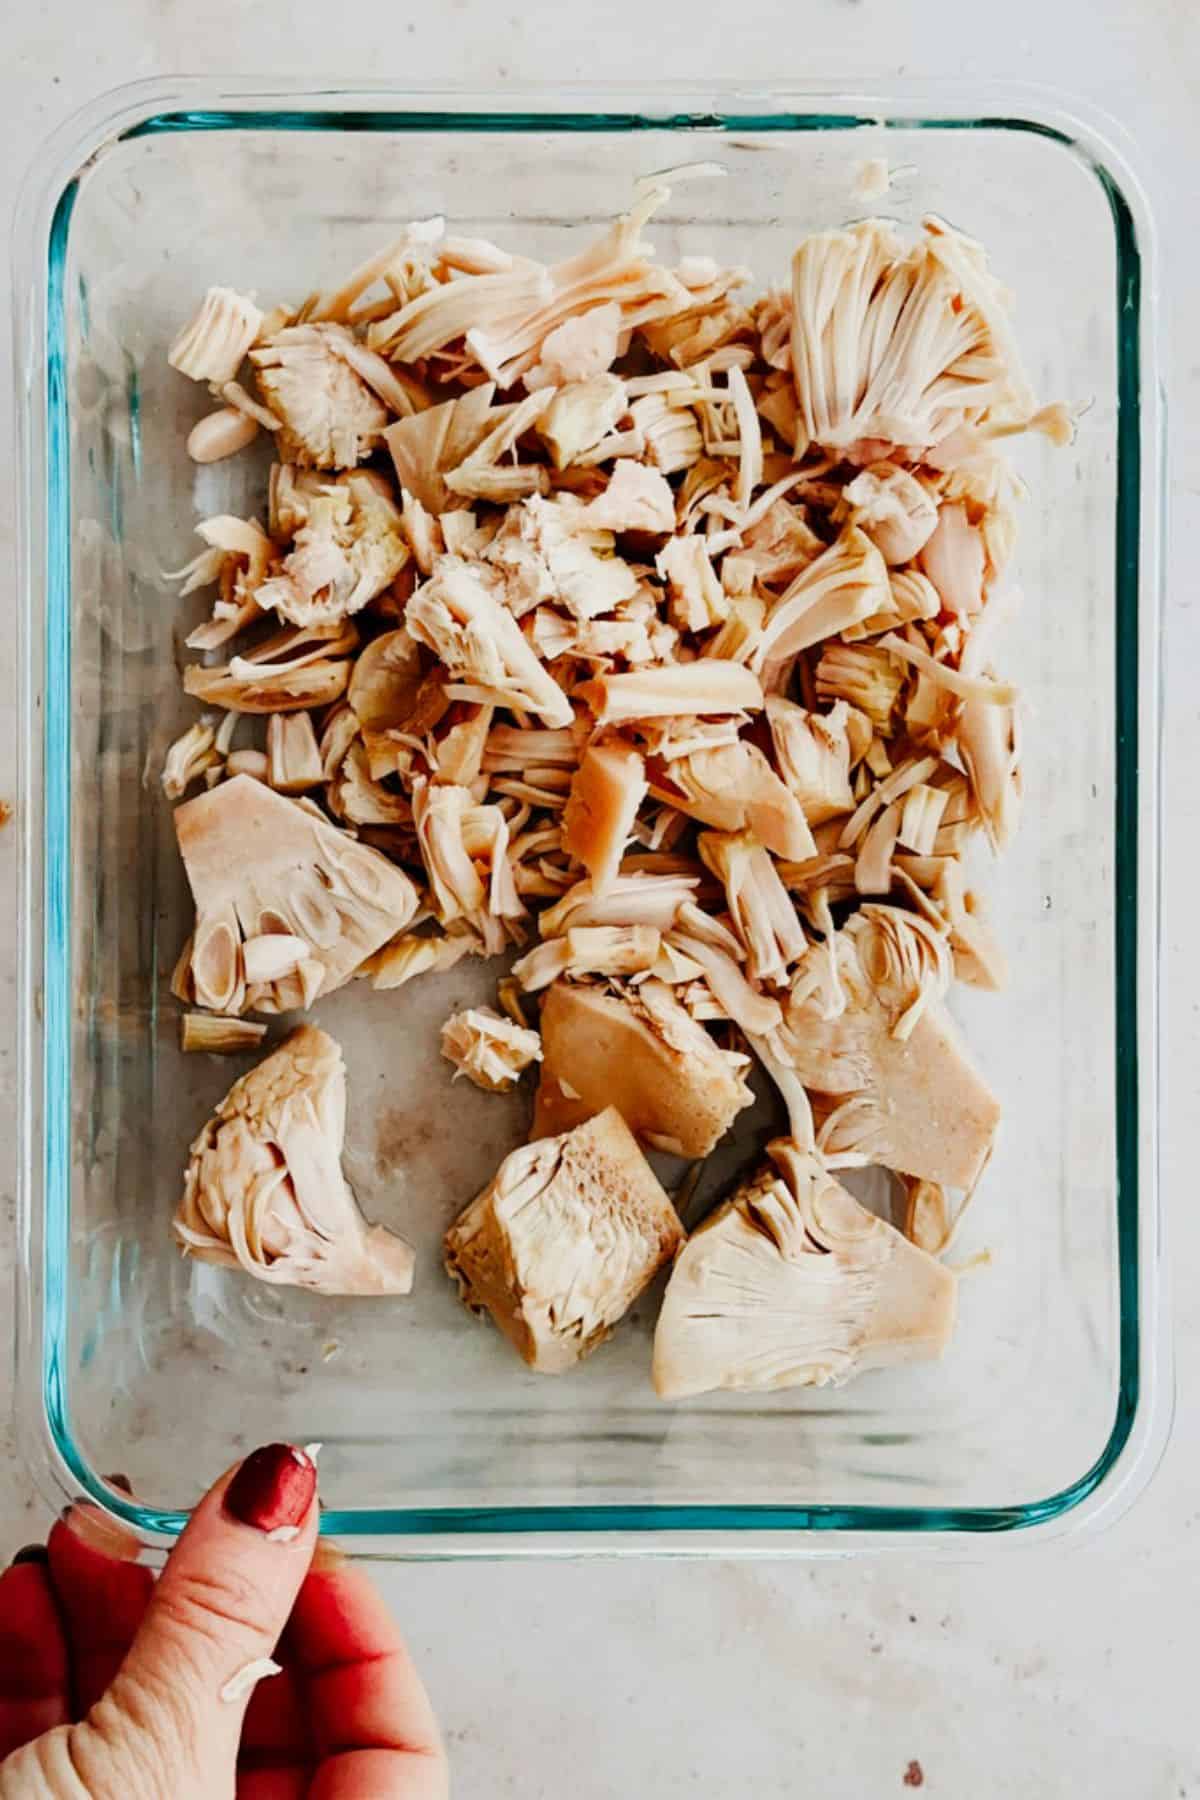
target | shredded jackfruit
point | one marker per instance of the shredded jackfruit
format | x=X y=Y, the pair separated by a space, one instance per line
x=649 y=631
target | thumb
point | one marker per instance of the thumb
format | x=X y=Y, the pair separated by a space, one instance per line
x=219 y=1607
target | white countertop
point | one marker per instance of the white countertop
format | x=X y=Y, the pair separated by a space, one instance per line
x=1046 y=1673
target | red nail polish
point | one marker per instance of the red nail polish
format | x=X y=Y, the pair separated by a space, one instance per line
x=273 y=1489
x=31 y=1553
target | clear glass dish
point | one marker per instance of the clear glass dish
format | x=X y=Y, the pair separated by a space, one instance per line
x=1053 y=1402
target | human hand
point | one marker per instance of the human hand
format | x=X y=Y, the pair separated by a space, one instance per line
x=117 y=1687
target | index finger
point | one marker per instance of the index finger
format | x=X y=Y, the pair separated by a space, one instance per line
x=34 y=1679
x=363 y=1689
x=103 y=1591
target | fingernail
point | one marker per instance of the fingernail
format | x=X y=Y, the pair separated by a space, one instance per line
x=121 y=1481
x=273 y=1489
x=328 y=1557
x=31 y=1553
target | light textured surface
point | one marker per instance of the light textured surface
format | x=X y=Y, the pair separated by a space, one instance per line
x=1030 y=1675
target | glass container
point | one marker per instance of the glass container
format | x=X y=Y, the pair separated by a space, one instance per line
x=1052 y=1404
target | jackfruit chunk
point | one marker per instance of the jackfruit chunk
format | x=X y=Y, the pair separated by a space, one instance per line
x=563 y=1240
x=791 y=1283
x=264 y=1189
x=259 y=863
x=642 y=1053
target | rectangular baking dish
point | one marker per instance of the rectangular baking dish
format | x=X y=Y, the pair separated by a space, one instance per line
x=1052 y=1405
